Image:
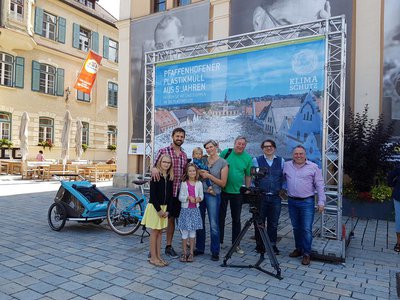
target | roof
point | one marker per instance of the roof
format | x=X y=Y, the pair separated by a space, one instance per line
x=259 y=107
x=98 y=12
x=163 y=118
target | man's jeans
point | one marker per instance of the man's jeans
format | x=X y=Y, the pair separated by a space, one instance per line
x=301 y=214
x=235 y=201
x=212 y=204
x=271 y=210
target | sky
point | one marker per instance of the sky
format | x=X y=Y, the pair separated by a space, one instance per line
x=112 y=6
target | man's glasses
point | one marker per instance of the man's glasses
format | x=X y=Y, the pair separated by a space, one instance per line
x=268 y=147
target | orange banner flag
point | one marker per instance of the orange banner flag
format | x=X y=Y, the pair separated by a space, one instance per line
x=87 y=76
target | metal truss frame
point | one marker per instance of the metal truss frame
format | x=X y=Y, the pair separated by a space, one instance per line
x=334 y=31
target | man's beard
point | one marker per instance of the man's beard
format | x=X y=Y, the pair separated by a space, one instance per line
x=178 y=143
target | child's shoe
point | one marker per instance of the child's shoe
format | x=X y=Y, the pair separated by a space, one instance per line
x=183 y=258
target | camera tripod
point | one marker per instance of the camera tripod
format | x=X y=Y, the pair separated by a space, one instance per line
x=260 y=227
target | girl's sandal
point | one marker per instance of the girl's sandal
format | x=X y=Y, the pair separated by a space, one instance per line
x=183 y=258
x=165 y=262
x=189 y=258
x=156 y=263
x=397 y=247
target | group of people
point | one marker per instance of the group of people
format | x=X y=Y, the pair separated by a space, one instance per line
x=186 y=191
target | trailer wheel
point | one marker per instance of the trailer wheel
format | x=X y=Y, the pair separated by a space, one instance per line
x=56 y=216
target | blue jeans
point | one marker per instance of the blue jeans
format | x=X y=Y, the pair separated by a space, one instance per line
x=212 y=204
x=301 y=214
x=270 y=210
x=235 y=201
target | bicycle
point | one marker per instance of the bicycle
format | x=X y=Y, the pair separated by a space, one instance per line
x=126 y=209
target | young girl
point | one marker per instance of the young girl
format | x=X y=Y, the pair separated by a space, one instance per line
x=156 y=214
x=191 y=194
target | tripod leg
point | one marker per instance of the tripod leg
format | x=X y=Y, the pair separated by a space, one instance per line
x=237 y=241
x=269 y=250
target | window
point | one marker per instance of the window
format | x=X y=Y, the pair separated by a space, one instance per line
x=183 y=2
x=110 y=49
x=81 y=96
x=47 y=79
x=112 y=94
x=17 y=10
x=85 y=133
x=5 y=125
x=49 y=26
x=112 y=135
x=160 y=5
x=113 y=50
x=84 y=39
x=6 y=69
x=46 y=129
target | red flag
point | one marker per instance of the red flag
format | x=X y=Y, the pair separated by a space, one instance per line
x=87 y=76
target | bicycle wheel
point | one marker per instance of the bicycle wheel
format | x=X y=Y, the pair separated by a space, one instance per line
x=124 y=213
x=56 y=216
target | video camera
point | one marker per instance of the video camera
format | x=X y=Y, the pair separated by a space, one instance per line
x=252 y=195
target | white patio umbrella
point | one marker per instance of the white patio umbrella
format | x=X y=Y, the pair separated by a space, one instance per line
x=78 y=140
x=23 y=135
x=65 y=137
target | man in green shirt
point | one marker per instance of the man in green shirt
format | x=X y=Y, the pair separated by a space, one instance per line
x=240 y=163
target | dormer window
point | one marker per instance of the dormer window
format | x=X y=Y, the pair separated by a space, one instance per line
x=88 y=3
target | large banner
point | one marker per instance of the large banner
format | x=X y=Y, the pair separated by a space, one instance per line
x=255 y=15
x=186 y=25
x=391 y=68
x=265 y=92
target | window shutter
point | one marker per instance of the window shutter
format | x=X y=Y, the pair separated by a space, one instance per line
x=60 y=82
x=95 y=42
x=35 y=76
x=38 y=20
x=61 y=29
x=19 y=72
x=75 y=39
x=106 y=44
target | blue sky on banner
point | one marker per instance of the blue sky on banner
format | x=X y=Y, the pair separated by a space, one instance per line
x=285 y=69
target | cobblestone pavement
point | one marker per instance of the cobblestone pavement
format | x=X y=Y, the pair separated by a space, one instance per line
x=87 y=261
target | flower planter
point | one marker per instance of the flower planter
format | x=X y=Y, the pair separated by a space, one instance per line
x=369 y=210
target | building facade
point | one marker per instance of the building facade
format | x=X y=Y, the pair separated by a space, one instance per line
x=364 y=68
x=43 y=45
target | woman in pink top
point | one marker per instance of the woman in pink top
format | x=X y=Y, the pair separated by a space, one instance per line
x=40 y=156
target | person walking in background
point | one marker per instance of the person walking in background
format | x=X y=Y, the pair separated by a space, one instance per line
x=240 y=163
x=270 y=185
x=303 y=177
x=197 y=156
x=190 y=195
x=40 y=156
x=218 y=175
x=179 y=161
x=156 y=213
x=394 y=181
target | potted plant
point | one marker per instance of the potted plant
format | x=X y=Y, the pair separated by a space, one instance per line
x=367 y=153
x=84 y=147
x=46 y=143
x=112 y=147
x=6 y=143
